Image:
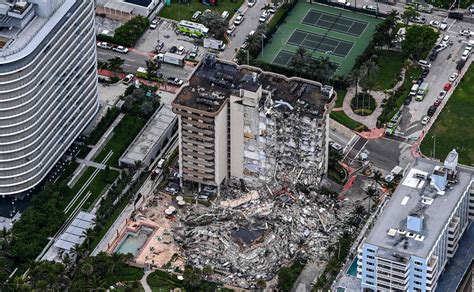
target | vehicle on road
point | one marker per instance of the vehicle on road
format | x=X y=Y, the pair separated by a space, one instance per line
x=251 y=3
x=393 y=124
x=425 y=120
x=414 y=89
x=433 y=55
x=434 y=23
x=175 y=81
x=239 y=19
x=344 y=3
x=465 y=32
x=422 y=91
x=173 y=49
x=437 y=102
x=456 y=15
x=230 y=30
x=180 y=50
x=431 y=111
x=443 y=26
x=104 y=45
x=225 y=14
x=154 y=24
x=170 y=58
x=441 y=94
x=264 y=16
x=120 y=49
x=193 y=29
x=196 y=15
x=194 y=52
x=335 y=146
x=407 y=100
x=445 y=39
x=425 y=73
x=419 y=19
x=129 y=78
x=424 y=64
x=447 y=86
x=159 y=47
x=465 y=55
x=453 y=77
x=214 y=44
x=439 y=47
x=369 y=7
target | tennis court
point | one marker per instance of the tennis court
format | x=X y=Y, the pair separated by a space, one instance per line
x=318 y=42
x=323 y=31
x=335 y=22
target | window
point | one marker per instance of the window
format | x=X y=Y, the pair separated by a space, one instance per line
x=370 y=257
x=417 y=282
x=370 y=270
x=418 y=263
x=417 y=276
x=418 y=270
x=370 y=250
x=369 y=282
x=370 y=264
x=370 y=276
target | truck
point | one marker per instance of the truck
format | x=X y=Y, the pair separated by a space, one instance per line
x=422 y=91
x=214 y=44
x=170 y=58
x=414 y=89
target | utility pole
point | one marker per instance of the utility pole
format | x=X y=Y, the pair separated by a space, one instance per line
x=434 y=146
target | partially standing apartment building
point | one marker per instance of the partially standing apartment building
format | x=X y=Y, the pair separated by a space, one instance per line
x=419 y=229
x=237 y=121
x=48 y=85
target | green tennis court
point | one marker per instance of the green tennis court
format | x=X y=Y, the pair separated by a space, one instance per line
x=324 y=31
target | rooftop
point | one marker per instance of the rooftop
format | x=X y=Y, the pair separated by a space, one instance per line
x=215 y=80
x=420 y=195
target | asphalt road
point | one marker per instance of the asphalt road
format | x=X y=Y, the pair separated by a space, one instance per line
x=250 y=23
x=134 y=60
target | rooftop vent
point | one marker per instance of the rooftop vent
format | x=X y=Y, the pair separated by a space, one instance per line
x=414 y=222
x=451 y=161
x=439 y=179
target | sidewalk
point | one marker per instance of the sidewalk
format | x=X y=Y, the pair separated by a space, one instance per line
x=160 y=86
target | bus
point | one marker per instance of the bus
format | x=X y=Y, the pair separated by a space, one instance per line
x=192 y=28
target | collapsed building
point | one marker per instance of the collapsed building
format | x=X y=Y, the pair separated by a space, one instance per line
x=261 y=139
x=240 y=122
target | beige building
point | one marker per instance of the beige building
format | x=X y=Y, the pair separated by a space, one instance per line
x=240 y=122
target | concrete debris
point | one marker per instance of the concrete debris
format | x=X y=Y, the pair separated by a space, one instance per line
x=248 y=236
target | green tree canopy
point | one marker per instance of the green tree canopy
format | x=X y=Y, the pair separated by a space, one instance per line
x=419 y=39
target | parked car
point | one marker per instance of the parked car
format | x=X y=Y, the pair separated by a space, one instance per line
x=175 y=81
x=408 y=100
x=424 y=64
x=425 y=73
x=251 y=3
x=159 y=47
x=194 y=52
x=453 y=77
x=419 y=19
x=264 y=16
x=104 y=45
x=369 y=7
x=438 y=48
x=173 y=49
x=335 y=146
x=196 y=15
x=433 y=55
x=180 y=50
x=434 y=23
x=443 y=26
x=445 y=39
x=465 y=32
x=129 y=78
x=120 y=49
x=442 y=94
x=465 y=55
x=239 y=19
x=154 y=24
x=447 y=86
x=431 y=111
x=425 y=120
x=437 y=102
x=344 y=3
x=230 y=30
x=225 y=14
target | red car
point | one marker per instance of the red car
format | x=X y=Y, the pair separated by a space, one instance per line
x=437 y=103
x=447 y=86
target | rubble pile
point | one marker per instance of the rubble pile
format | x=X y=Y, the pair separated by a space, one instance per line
x=254 y=239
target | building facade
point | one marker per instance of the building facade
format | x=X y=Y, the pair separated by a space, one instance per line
x=419 y=229
x=239 y=122
x=48 y=85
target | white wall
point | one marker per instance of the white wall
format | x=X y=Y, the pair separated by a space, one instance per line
x=236 y=138
x=220 y=146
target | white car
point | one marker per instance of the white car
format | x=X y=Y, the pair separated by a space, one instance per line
x=196 y=15
x=180 y=50
x=175 y=81
x=120 y=49
x=104 y=45
x=465 y=32
x=441 y=95
x=264 y=16
x=128 y=78
x=453 y=77
x=369 y=7
x=419 y=19
x=469 y=47
x=239 y=19
x=251 y=3
x=425 y=120
x=434 y=23
x=443 y=26
x=424 y=64
x=230 y=30
x=153 y=24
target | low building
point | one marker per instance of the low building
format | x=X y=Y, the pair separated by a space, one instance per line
x=419 y=229
x=127 y=9
x=152 y=138
x=241 y=122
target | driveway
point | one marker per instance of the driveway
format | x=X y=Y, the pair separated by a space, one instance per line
x=250 y=23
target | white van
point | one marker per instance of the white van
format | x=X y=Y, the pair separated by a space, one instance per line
x=225 y=14
x=414 y=89
x=424 y=64
x=445 y=39
x=465 y=55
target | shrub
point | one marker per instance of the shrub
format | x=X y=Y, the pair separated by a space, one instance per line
x=363 y=104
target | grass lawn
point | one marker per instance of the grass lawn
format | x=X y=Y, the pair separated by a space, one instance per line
x=341 y=94
x=162 y=281
x=185 y=11
x=124 y=133
x=390 y=64
x=344 y=119
x=126 y=274
x=453 y=127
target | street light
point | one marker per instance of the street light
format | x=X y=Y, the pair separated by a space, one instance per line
x=263 y=37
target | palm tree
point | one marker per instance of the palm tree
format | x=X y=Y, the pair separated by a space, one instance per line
x=377 y=177
x=87 y=269
x=20 y=284
x=115 y=64
x=253 y=43
x=371 y=193
x=116 y=261
x=299 y=60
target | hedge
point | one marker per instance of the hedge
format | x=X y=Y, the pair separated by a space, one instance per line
x=128 y=33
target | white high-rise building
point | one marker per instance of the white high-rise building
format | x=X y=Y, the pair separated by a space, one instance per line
x=48 y=85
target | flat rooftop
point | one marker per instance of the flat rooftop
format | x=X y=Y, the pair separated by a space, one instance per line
x=415 y=195
x=215 y=80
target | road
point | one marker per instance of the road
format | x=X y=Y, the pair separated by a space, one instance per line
x=133 y=60
x=250 y=23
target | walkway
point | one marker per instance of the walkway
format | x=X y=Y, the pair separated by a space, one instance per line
x=97 y=147
x=371 y=120
x=164 y=87
x=97 y=165
x=144 y=283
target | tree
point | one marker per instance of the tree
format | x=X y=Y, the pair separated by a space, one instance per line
x=152 y=67
x=353 y=78
x=115 y=64
x=243 y=57
x=377 y=177
x=116 y=262
x=371 y=193
x=216 y=24
x=261 y=284
x=253 y=44
x=207 y=271
x=408 y=15
x=192 y=277
x=299 y=60
x=419 y=39
x=146 y=108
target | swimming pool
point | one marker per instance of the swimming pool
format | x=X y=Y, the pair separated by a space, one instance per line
x=352 y=271
x=134 y=241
